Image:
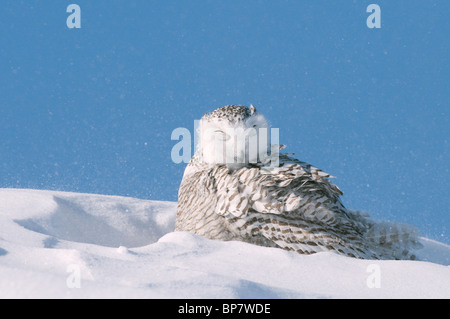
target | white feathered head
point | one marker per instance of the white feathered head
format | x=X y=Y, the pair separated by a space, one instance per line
x=233 y=135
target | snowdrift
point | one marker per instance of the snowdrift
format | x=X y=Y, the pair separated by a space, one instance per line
x=69 y=245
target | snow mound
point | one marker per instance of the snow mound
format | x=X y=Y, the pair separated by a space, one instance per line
x=99 y=220
x=69 y=245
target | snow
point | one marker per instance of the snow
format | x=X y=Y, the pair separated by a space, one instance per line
x=70 y=245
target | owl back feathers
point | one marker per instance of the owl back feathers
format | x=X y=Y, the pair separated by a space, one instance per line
x=294 y=207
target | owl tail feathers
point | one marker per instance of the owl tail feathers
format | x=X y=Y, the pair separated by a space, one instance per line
x=391 y=240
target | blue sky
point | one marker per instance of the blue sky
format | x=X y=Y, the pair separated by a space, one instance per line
x=92 y=109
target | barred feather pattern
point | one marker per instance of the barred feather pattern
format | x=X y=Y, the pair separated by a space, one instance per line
x=294 y=207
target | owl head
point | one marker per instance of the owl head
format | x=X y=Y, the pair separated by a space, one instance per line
x=234 y=135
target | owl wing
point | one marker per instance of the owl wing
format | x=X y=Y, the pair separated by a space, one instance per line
x=294 y=188
x=294 y=206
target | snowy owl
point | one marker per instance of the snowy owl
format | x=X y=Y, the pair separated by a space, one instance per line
x=240 y=195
